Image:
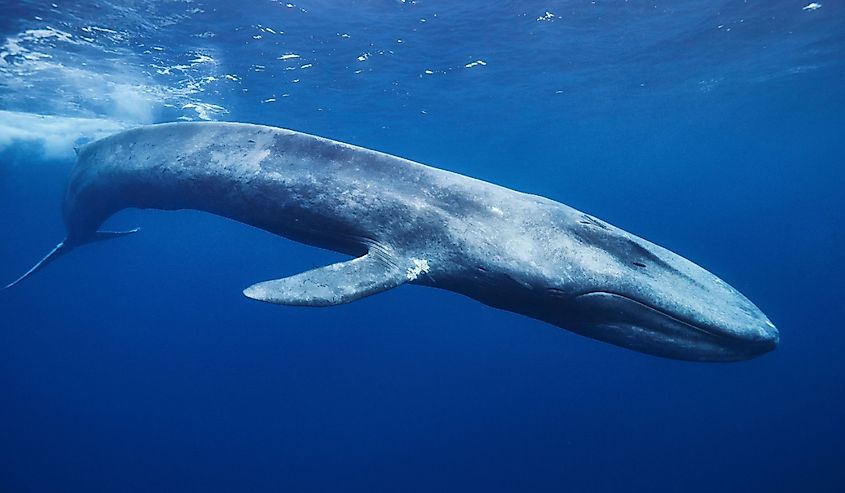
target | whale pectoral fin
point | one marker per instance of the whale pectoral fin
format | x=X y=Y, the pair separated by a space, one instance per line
x=334 y=284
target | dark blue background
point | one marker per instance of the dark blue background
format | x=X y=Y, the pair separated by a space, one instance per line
x=137 y=365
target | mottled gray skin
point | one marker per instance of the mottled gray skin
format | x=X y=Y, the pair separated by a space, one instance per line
x=418 y=224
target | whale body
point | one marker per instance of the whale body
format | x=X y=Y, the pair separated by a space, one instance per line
x=405 y=222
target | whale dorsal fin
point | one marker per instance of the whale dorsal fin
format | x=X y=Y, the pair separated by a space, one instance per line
x=335 y=284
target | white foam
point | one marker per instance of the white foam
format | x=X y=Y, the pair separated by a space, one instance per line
x=21 y=45
x=204 y=111
x=201 y=58
x=812 y=6
x=39 y=70
x=101 y=29
x=54 y=135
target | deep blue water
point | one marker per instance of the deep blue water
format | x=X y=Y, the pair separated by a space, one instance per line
x=712 y=128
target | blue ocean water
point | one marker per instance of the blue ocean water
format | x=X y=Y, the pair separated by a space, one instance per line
x=712 y=128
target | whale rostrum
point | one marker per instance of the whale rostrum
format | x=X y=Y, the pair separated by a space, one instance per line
x=405 y=222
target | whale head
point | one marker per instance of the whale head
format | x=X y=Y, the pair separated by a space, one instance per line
x=624 y=290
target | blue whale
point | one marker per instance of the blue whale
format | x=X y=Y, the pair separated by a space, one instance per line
x=404 y=222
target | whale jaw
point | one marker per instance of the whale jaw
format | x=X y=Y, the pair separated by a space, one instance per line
x=637 y=325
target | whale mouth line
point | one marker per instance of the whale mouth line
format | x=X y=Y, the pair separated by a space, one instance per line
x=720 y=337
x=629 y=322
x=663 y=313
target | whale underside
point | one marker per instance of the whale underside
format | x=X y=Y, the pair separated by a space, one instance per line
x=405 y=222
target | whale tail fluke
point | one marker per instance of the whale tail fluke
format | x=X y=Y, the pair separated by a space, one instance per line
x=55 y=253
x=64 y=247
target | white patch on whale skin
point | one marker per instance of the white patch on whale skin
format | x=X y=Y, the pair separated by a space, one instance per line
x=243 y=157
x=497 y=211
x=420 y=267
x=254 y=158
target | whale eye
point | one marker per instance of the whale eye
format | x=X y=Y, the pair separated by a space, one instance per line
x=638 y=264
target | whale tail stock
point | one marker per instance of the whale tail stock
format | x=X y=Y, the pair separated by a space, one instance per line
x=66 y=246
